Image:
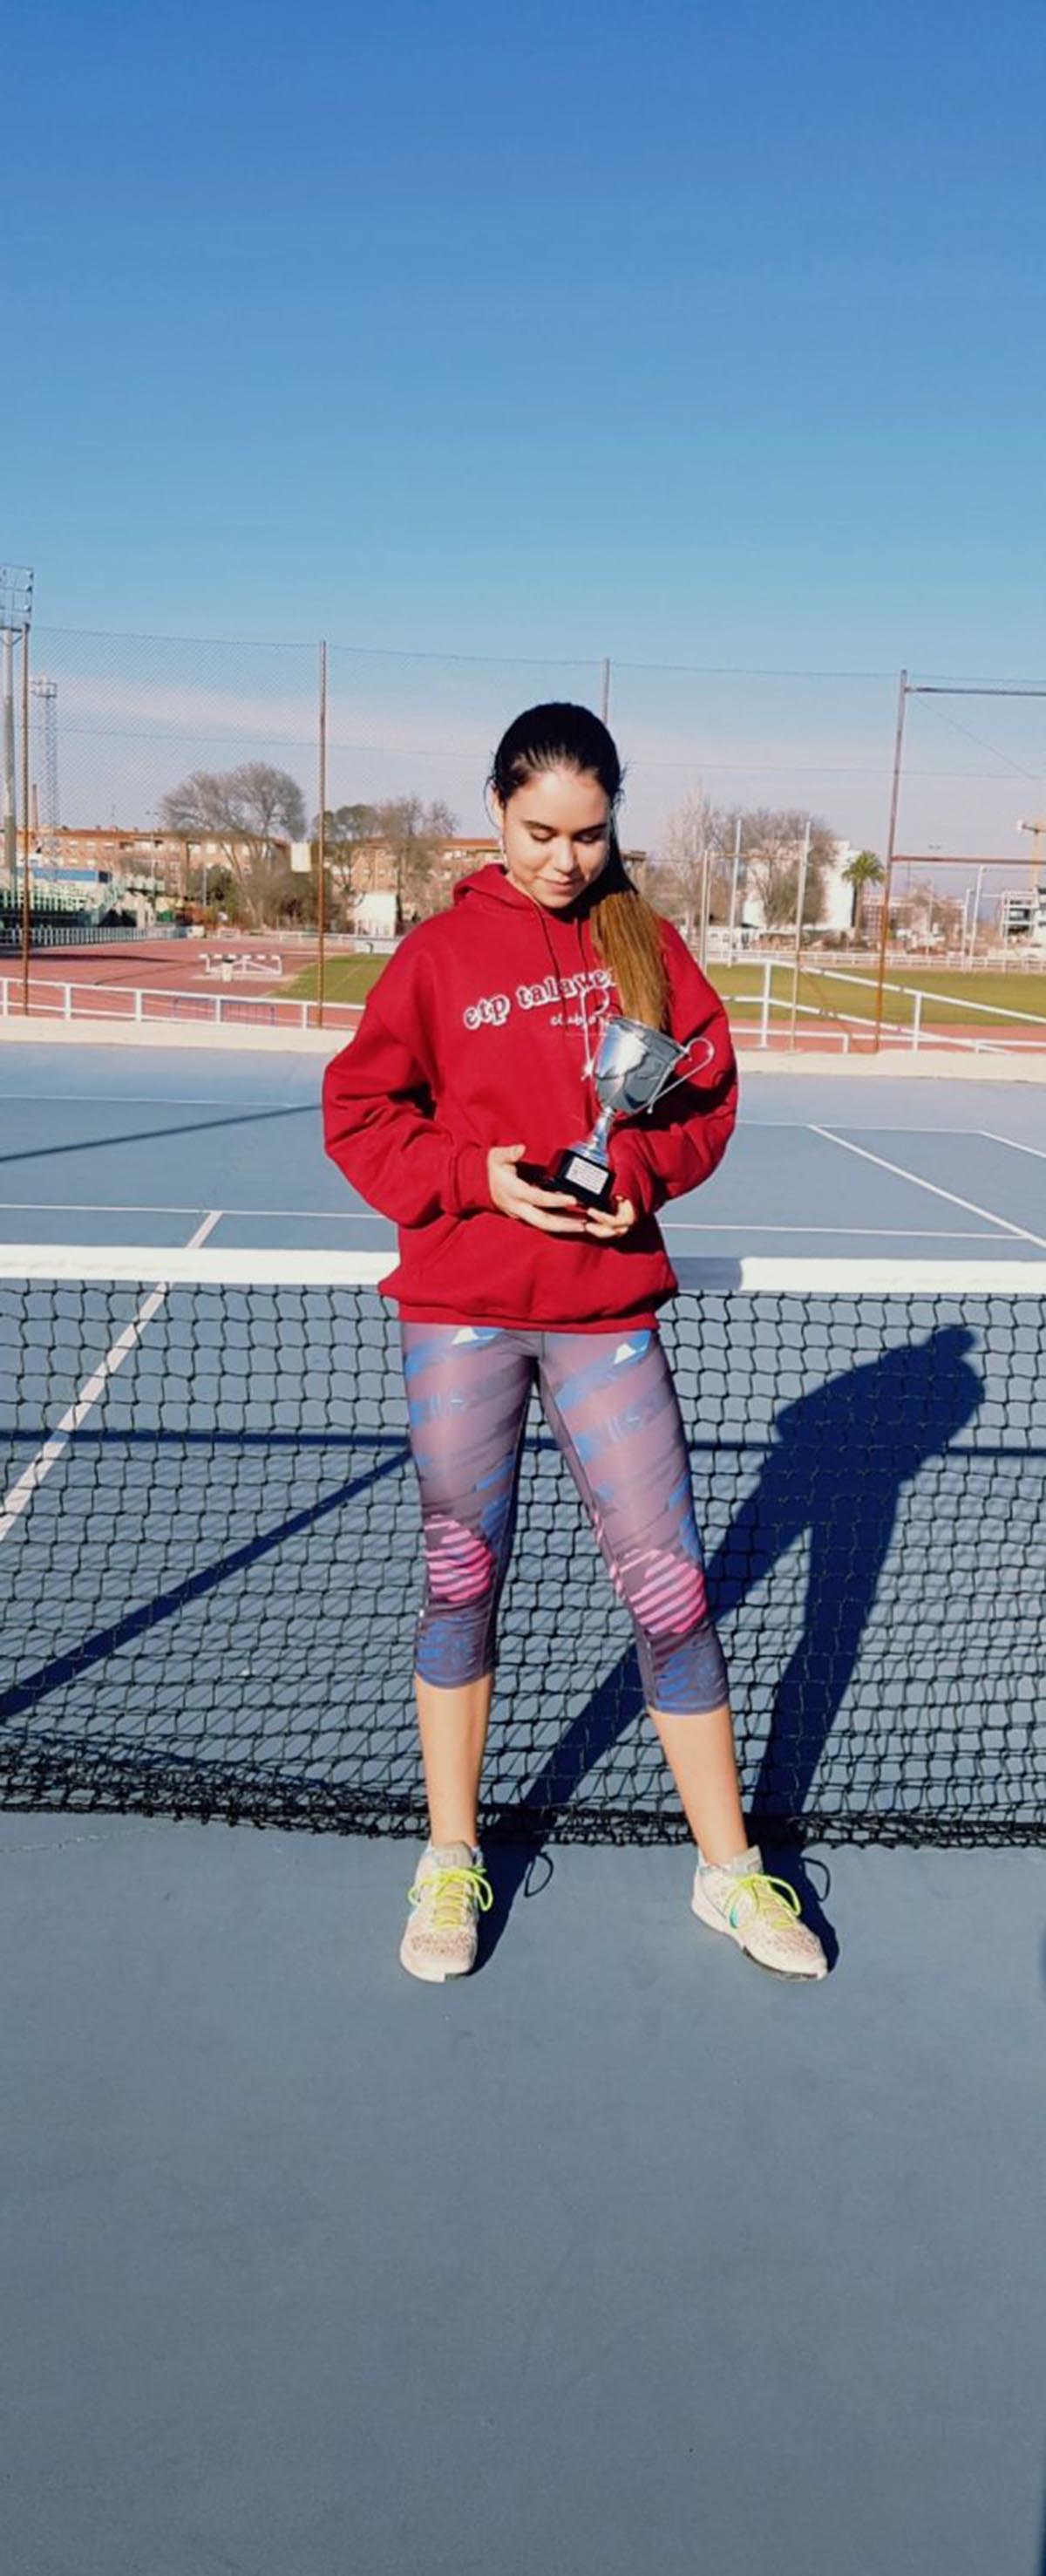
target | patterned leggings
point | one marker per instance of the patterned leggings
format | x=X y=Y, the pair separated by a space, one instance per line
x=610 y=1402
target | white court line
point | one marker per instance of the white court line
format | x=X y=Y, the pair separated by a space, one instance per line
x=149 y=1207
x=865 y=1233
x=21 y=1493
x=874 y=1127
x=1012 y=1141
x=1023 y=1232
x=365 y=1216
x=135 y=1100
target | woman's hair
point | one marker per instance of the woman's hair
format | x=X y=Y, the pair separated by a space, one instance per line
x=625 y=928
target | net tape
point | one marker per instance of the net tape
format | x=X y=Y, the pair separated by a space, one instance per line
x=211 y=1542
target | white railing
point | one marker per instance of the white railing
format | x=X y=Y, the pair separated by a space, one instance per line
x=914 y=1034
x=59 y=999
x=50 y=997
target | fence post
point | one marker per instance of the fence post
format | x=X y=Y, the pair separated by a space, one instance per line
x=764 y=1023
x=917 y=1017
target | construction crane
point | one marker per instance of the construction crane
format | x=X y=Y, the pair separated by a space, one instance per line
x=46 y=786
x=1038 y=832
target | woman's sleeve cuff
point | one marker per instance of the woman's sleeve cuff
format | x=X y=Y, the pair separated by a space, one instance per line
x=635 y=1179
x=469 y=1182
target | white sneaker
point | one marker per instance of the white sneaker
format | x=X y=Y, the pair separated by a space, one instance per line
x=450 y=1892
x=760 y=1913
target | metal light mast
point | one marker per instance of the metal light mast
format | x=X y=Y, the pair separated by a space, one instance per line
x=1038 y=832
x=46 y=694
x=16 y=607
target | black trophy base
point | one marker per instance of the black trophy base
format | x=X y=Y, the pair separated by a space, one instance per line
x=579 y=1175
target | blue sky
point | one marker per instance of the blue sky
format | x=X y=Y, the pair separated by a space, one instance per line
x=685 y=335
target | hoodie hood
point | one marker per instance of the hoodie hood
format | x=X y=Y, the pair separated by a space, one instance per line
x=490 y=884
x=493 y=885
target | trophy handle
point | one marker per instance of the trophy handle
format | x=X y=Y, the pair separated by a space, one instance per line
x=679 y=1078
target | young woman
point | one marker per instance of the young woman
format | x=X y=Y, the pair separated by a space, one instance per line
x=473 y=1064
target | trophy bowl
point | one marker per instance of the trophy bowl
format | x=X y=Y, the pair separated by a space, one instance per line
x=632 y=1069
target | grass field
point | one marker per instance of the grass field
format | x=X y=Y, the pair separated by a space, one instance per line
x=838 y=999
x=349 y=979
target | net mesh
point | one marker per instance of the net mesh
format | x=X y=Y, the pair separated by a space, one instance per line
x=211 y=1541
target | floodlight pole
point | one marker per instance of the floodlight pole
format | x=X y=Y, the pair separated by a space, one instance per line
x=27 y=898
x=976 y=915
x=891 y=844
x=605 y=708
x=704 y=913
x=1038 y=831
x=16 y=608
x=733 y=889
x=321 y=842
x=10 y=823
x=800 y=900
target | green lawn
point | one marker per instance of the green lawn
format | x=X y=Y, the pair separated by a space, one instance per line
x=349 y=979
x=346 y=979
x=835 y=996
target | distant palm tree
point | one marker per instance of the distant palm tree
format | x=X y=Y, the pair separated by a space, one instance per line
x=863 y=870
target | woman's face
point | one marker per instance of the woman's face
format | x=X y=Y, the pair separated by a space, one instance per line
x=556 y=832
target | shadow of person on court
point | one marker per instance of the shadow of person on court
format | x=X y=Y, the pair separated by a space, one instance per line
x=835 y=1466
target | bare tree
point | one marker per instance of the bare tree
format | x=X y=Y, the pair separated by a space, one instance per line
x=772 y=844
x=413 y=834
x=662 y=889
x=249 y=812
x=345 y=826
x=693 y=873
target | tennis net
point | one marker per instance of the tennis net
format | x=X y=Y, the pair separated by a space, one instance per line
x=211 y=1541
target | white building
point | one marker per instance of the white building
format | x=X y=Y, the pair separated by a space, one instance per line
x=838 y=898
x=1023 y=916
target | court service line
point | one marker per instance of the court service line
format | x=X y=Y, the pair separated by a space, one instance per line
x=971 y=1206
x=134 y=1100
x=21 y=1493
x=1013 y=1142
x=865 y=1233
x=365 y=1216
x=874 y=1127
x=154 y=1207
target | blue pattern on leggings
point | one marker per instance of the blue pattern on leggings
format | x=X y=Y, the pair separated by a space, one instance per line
x=611 y=1404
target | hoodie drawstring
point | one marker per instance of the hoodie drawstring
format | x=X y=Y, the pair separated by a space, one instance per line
x=587 y=1068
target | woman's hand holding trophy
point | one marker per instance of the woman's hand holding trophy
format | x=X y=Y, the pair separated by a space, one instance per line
x=631 y=1072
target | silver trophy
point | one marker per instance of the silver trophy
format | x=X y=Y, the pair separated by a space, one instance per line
x=631 y=1072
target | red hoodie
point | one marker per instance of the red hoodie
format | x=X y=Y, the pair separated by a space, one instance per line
x=475 y=1035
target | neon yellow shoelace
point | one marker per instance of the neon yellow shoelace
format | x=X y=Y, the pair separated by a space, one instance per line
x=772 y=1896
x=452 y=1893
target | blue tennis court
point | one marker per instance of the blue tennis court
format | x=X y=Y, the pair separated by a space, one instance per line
x=105 y=1146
